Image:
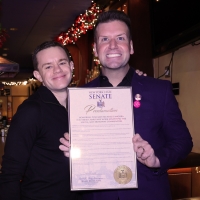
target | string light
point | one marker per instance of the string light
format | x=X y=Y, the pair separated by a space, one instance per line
x=82 y=24
x=3 y=32
x=95 y=71
x=12 y=83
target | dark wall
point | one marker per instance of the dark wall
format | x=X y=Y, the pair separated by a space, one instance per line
x=139 y=12
x=82 y=56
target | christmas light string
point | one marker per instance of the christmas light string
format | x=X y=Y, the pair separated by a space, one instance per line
x=3 y=32
x=82 y=24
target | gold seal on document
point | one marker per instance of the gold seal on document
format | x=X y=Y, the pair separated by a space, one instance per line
x=123 y=174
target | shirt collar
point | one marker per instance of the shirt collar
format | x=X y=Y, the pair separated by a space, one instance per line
x=126 y=81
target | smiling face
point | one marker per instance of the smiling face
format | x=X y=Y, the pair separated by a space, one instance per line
x=54 y=69
x=113 y=46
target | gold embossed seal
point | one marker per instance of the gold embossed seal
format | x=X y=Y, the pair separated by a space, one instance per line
x=123 y=174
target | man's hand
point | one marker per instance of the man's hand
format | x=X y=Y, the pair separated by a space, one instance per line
x=140 y=73
x=65 y=144
x=144 y=152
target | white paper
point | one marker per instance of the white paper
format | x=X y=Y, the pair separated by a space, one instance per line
x=101 y=130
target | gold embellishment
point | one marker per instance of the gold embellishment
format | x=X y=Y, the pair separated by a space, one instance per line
x=122 y=174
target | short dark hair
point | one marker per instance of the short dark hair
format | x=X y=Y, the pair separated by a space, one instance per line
x=46 y=45
x=113 y=15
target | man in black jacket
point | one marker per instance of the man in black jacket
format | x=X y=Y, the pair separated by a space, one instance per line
x=33 y=167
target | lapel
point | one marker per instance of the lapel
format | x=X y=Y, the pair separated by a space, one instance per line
x=138 y=87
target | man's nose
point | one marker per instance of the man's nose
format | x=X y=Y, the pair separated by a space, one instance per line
x=57 y=68
x=113 y=44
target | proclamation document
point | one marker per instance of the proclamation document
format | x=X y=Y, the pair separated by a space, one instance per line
x=101 y=128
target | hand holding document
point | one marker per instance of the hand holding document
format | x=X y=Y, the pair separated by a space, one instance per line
x=101 y=130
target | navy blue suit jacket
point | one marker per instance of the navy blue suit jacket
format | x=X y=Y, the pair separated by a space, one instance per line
x=159 y=121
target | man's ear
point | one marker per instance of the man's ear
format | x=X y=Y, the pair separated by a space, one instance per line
x=71 y=64
x=37 y=75
x=95 y=50
x=131 y=47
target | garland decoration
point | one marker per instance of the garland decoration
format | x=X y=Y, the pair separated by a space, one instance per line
x=13 y=83
x=82 y=23
x=3 y=36
x=3 y=33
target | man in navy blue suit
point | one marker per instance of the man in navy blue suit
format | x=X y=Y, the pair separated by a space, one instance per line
x=162 y=138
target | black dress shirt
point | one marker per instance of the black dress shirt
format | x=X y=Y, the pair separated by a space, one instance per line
x=126 y=81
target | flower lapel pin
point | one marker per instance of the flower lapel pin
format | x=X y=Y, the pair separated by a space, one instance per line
x=137 y=103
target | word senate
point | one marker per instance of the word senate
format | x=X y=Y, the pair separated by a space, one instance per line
x=100 y=95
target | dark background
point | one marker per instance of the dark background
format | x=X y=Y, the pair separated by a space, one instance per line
x=174 y=23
